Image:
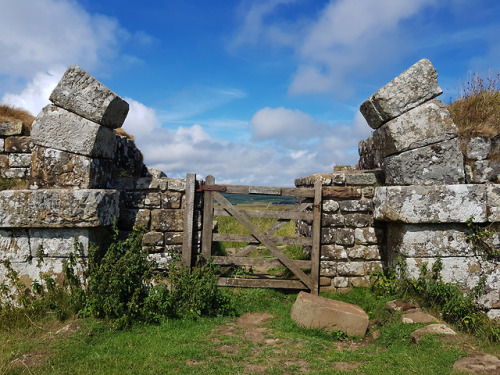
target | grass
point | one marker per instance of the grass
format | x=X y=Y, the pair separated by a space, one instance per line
x=13 y=114
x=476 y=111
x=223 y=346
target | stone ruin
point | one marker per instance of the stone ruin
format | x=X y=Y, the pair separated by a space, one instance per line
x=417 y=186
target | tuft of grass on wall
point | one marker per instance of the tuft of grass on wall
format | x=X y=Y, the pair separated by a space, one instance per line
x=476 y=111
x=12 y=114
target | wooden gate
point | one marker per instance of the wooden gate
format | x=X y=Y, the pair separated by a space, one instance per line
x=266 y=237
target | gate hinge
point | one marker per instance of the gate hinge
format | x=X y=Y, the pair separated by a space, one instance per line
x=212 y=188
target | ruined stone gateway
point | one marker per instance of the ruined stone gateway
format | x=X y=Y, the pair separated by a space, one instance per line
x=416 y=187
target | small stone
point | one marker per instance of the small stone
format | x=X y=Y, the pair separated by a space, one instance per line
x=80 y=93
x=351 y=269
x=171 y=199
x=332 y=220
x=356 y=206
x=330 y=206
x=173 y=238
x=418 y=317
x=176 y=184
x=432 y=329
x=333 y=252
x=478 y=148
x=344 y=236
x=400 y=305
x=11 y=128
x=18 y=144
x=341 y=193
x=167 y=220
x=368 y=236
x=358 y=220
x=362 y=179
x=153 y=238
x=364 y=252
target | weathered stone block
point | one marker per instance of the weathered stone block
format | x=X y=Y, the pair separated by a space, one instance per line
x=19 y=160
x=162 y=261
x=58 y=208
x=493 y=202
x=60 y=242
x=363 y=205
x=171 y=199
x=329 y=220
x=364 y=252
x=368 y=236
x=153 y=238
x=146 y=183
x=358 y=220
x=2 y=145
x=441 y=163
x=340 y=282
x=4 y=162
x=14 y=245
x=325 y=178
x=341 y=193
x=173 y=238
x=79 y=92
x=18 y=144
x=330 y=206
x=478 y=148
x=53 y=168
x=167 y=220
x=21 y=173
x=369 y=154
x=485 y=171
x=333 y=252
x=11 y=128
x=344 y=236
x=57 y=128
x=351 y=269
x=128 y=158
x=426 y=124
x=338 y=178
x=322 y=313
x=419 y=241
x=431 y=204
x=362 y=179
x=413 y=87
x=176 y=184
x=327 y=235
x=360 y=282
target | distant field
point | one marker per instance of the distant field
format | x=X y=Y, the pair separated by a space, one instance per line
x=258 y=199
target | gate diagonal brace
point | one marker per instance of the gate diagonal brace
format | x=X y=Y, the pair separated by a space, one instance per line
x=264 y=239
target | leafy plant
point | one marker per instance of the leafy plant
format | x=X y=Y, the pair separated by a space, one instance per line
x=479 y=237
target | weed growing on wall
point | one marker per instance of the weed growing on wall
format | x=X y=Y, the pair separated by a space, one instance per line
x=430 y=290
x=119 y=285
x=479 y=236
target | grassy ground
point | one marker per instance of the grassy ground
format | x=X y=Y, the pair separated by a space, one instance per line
x=263 y=340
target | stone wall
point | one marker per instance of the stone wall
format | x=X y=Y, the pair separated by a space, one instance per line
x=83 y=176
x=435 y=180
x=351 y=242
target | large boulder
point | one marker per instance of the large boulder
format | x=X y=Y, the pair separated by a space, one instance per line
x=322 y=313
x=79 y=92
x=413 y=87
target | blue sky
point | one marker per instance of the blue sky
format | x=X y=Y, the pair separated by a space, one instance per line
x=253 y=92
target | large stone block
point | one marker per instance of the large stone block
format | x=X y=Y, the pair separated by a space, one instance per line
x=322 y=313
x=167 y=220
x=79 y=92
x=51 y=168
x=408 y=90
x=426 y=124
x=431 y=204
x=441 y=163
x=412 y=240
x=61 y=242
x=63 y=130
x=58 y=208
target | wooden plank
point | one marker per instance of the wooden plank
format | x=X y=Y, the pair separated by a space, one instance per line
x=285 y=192
x=264 y=239
x=316 y=237
x=262 y=283
x=257 y=262
x=285 y=240
x=187 y=241
x=264 y=190
x=208 y=211
x=271 y=214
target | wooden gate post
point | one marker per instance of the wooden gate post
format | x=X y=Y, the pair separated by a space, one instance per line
x=208 y=217
x=187 y=240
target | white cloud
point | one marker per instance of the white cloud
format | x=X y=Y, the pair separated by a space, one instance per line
x=38 y=35
x=140 y=119
x=284 y=124
x=36 y=94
